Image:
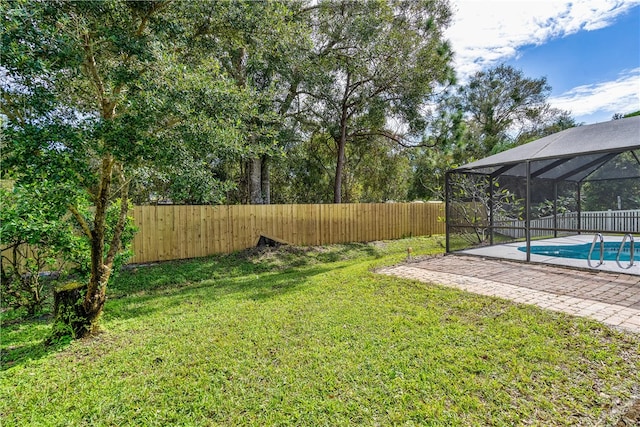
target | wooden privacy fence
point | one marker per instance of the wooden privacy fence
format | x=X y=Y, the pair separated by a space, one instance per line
x=177 y=232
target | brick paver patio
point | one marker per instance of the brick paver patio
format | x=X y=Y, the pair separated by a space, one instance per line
x=611 y=298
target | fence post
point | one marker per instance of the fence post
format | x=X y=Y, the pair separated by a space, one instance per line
x=555 y=209
x=579 y=202
x=447 y=212
x=527 y=224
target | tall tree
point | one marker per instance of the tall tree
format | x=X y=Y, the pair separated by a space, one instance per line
x=376 y=170
x=376 y=64
x=447 y=144
x=468 y=125
x=304 y=173
x=503 y=103
x=258 y=45
x=93 y=90
x=554 y=121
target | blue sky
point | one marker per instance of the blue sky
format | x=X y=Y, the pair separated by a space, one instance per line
x=589 y=50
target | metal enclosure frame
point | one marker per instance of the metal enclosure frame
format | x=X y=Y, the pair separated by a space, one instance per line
x=571 y=157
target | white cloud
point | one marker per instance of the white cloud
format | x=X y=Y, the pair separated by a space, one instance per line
x=485 y=32
x=618 y=96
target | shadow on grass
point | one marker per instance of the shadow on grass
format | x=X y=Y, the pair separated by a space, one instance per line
x=250 y=275
x=24 y=341
x=254 y=261
x=248 y=287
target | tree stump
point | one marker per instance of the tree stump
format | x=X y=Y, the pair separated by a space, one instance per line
x=70 y=318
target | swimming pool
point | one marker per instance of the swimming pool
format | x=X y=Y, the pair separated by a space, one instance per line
x=582 y=251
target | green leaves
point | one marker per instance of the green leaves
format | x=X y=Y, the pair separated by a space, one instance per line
x=374 y=63
x=36 y=236
x=119 y=80
x=505 y=107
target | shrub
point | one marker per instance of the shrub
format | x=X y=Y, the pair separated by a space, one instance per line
x=39 y=244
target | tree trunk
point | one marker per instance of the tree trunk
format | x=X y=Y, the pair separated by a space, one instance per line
x=255 y=181
x=257 y=185
x=341 y=142
x=71 y=319
x=100 y=271
x=242 y=195
x=265 y=181
x=337 y=187
x=341 y=160
x=79 y=317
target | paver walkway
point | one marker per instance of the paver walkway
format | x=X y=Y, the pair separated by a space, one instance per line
x=611 y=298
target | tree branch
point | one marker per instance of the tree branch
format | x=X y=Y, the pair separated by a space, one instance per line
x=158 y=6
x=398 y=139
x=116 y=240
x=81 y=221
x=8 y=108
x=92 y=68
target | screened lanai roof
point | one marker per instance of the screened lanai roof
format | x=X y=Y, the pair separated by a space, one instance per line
x=583 y=153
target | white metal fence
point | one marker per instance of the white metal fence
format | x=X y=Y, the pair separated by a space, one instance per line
x=603 y=221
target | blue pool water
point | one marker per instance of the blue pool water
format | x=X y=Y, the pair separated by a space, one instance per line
x=582 y=251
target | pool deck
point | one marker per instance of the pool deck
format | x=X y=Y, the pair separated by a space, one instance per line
x=611 y=298
x=510 y=251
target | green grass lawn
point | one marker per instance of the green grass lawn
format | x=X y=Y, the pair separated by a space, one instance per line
x=313 y=337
